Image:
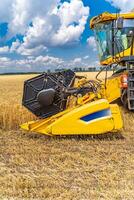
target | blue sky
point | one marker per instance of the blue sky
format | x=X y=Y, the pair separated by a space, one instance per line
x=39 y=36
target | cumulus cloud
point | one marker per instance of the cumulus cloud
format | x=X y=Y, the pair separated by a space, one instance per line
x=82 y=62
x=92 y=43
x=43 y=24
x=123 y=5
x=21 y=13
x=62 y=26
x=41 y=63
x=31 y=51
x=31 y=63
x=77 y=60
x=86 y=57
x=73 y=17
x=5 y=10
x=47 y=23
x=4 y=49
x=4 y=60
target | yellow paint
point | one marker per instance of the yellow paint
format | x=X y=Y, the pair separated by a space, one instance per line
x=117 y=58
x=70 y=122
x=111 y=91
x=109 y=17
x=105 y=17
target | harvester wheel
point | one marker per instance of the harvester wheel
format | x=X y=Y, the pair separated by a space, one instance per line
x=124 y=98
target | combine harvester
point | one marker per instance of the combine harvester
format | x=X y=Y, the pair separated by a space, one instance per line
x=67 y=104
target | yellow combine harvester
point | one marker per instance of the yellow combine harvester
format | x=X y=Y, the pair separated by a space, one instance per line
x=67 y=104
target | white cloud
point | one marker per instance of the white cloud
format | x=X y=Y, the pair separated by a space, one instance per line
x=23 y=12
x=61 y=27
x=31 y=51
x=86 y=57
x=5 y=10
x=15 y=46
x=44 y=24
x=48 y=61
x=4 y=59
x=77 y=60
x=123 y=5
x=92 y=43
x=47 y=23
x=73 y=17
x=31 y=63
x=41 y=63
x=4 y=49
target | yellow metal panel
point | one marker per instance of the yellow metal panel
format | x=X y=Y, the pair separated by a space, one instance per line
x=118 y=57
x=71 y=124
x=112 y=89
x=118 y=122
x=109 y=17
x=42 y=125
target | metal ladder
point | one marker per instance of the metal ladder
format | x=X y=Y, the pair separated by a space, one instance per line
x=130 y=90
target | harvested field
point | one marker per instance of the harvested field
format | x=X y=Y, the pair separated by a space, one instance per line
x=79 y=168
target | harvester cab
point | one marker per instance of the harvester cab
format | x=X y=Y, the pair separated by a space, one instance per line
x=68 y=104
x=114 y=35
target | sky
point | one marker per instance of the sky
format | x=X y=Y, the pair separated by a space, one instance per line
x=37 y=35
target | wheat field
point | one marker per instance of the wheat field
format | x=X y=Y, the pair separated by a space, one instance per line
x=34 y=166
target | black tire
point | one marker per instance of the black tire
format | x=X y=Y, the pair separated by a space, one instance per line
x=124 y=98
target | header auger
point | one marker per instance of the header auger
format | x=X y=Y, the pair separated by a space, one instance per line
x=67 y=104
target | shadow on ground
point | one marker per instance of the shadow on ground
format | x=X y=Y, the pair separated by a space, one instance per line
x=104 y=137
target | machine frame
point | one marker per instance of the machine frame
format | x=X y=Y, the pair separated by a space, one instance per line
x=89 y=106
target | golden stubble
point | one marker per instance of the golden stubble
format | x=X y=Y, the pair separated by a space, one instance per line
x=34 y=166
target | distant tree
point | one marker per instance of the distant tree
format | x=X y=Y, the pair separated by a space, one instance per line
x=48 y=71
